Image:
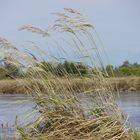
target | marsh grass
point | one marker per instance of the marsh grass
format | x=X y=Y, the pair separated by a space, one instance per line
x=136 y=135
x=73 y=38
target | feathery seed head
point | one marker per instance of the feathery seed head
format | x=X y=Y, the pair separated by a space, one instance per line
x=33 y=29
x=71 y=21
x=4 y=43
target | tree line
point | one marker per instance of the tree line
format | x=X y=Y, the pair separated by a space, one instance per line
x=9 y=71
x=126 y=69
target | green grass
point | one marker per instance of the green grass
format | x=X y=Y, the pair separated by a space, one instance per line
x=136 y=135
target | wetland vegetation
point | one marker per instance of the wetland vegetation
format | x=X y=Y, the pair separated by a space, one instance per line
x=54 y=81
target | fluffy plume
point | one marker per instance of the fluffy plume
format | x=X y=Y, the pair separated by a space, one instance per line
x=71 y=21
x=33 y=29
x=4 y=43
x=72 y=11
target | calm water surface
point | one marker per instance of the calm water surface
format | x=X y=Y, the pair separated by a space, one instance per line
x=20 y=105
x=130 y=104
x=14 y=106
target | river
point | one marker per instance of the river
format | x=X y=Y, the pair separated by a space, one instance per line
x=130 y=105
x=14 y=108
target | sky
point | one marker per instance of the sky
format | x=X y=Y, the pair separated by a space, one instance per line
x=116 y=21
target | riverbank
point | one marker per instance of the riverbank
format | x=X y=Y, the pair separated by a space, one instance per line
x=125 y=84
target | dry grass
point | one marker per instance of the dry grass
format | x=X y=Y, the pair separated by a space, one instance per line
x=11 y=87
x=78 y=85
x=126 y=83
x=61 y=116
x=71 y=128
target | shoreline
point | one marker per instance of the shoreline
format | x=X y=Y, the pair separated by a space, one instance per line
x=123 y=84
x=11 y=87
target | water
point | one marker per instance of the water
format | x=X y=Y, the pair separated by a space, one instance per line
x=130 y=105
x=15 y=107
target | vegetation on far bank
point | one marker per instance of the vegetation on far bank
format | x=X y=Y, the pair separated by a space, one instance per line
x=9 y=71
x=123 y=84
x=126 y=76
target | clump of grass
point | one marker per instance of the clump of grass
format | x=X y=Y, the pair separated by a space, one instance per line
x=61 y=116
x=136 y=135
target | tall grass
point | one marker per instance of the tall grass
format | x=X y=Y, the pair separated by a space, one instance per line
x=72 y=38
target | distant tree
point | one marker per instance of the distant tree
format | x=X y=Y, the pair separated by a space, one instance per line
x=83 y=69
x=126 y=64
x=68 y=67
x=76 y=68
x=135 y=64
x=126 y=71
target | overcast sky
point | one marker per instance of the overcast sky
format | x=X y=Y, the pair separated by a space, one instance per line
x=116 y=21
